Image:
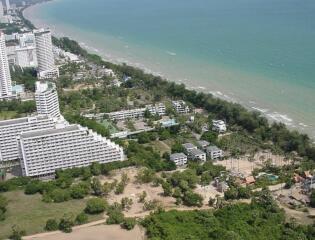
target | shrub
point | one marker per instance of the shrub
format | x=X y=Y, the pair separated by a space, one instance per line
x=60 y=195
x=51 y=225
x=128 y=223
x=95 y=206
x=81 y=218
x=192 y=199
x=17 y=233
x=115 y=216
x=66 y=223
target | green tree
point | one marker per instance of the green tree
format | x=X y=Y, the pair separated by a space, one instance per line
x=17 y=233
x=192 y=199
x=167 y=189
x=95 y=206
x=97 y=187
x=66 y=223
x=312 y=199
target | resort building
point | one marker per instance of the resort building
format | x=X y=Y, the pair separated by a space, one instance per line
x=11 y=129
x=5 y=77
x=218 y=126
x=214 y=152
x=45 y=151
x=197 y=154
x=180 y=107
x=45 y=55
x=126 y=114
x=203 y=144
x=46 y=98
x=189 y=147
x=157 y=109
x=179 y=159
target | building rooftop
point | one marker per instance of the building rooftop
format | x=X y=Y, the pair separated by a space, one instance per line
x=196 y=152
x=177 y=155
x=213 y=148
x=21 y=120
x=39 y=133
x=188 y=145
x=203 y=143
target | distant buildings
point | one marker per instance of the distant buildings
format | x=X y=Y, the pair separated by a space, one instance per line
x=11 y=129
x=45 y=56
x=214 y=152
x=189 y=147
x=218 y=126
x=193 y=152
x=44 y=151
x=180 y=107
x=5 y=77
x=46 y=98
x=179 y=159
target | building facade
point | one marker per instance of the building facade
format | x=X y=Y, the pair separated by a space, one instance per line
x=5 y=76
x=11 y=129
x=179 y=159
x=26 y=56
x=45 y=151
x=180 y=107
x=126 y=114
x=46 y=98
x=157 y=109
x=45 y=55
x=214 y=152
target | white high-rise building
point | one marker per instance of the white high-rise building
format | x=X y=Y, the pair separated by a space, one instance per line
x=1 y=11
x=45 y=151
x=7 y=3
x=11 y=129
x=46 y=98
x=5 y=77
x=45 y=55
x=26 y=56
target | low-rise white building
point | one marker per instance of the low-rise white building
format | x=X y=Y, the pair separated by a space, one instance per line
x=197 y=154
x=45 y=151
x=157 y=109
x=179 y=159
x=180 y=107
x=214 y=152
x=218 y=126
x=203 y=144
x=189 y=147
x=126 y=114
x=26 y=56
x=11 y=129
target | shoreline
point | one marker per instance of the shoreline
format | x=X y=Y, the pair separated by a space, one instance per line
x=270 y=114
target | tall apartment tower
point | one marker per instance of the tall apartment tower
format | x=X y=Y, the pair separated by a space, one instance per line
x=7 y=3
x=46 y=98
x=5 y=77
x=1 y=11
x=45 y=55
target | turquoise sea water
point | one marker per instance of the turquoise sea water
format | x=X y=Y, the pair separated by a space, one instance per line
x=260 y=53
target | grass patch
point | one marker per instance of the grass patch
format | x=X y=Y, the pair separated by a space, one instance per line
x=4 y=115
x=110 y=126
x=30 y=213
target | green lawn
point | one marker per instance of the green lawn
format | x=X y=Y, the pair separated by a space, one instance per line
x=30 y=213
x=4 y=115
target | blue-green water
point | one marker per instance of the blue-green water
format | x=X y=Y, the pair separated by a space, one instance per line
x=260 y=53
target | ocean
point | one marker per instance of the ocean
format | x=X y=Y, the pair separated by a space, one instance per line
x=260 y=53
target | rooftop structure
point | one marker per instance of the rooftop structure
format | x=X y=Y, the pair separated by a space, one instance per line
x=45 y=151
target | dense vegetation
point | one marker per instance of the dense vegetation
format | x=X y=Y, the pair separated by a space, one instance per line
x=261 y=219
